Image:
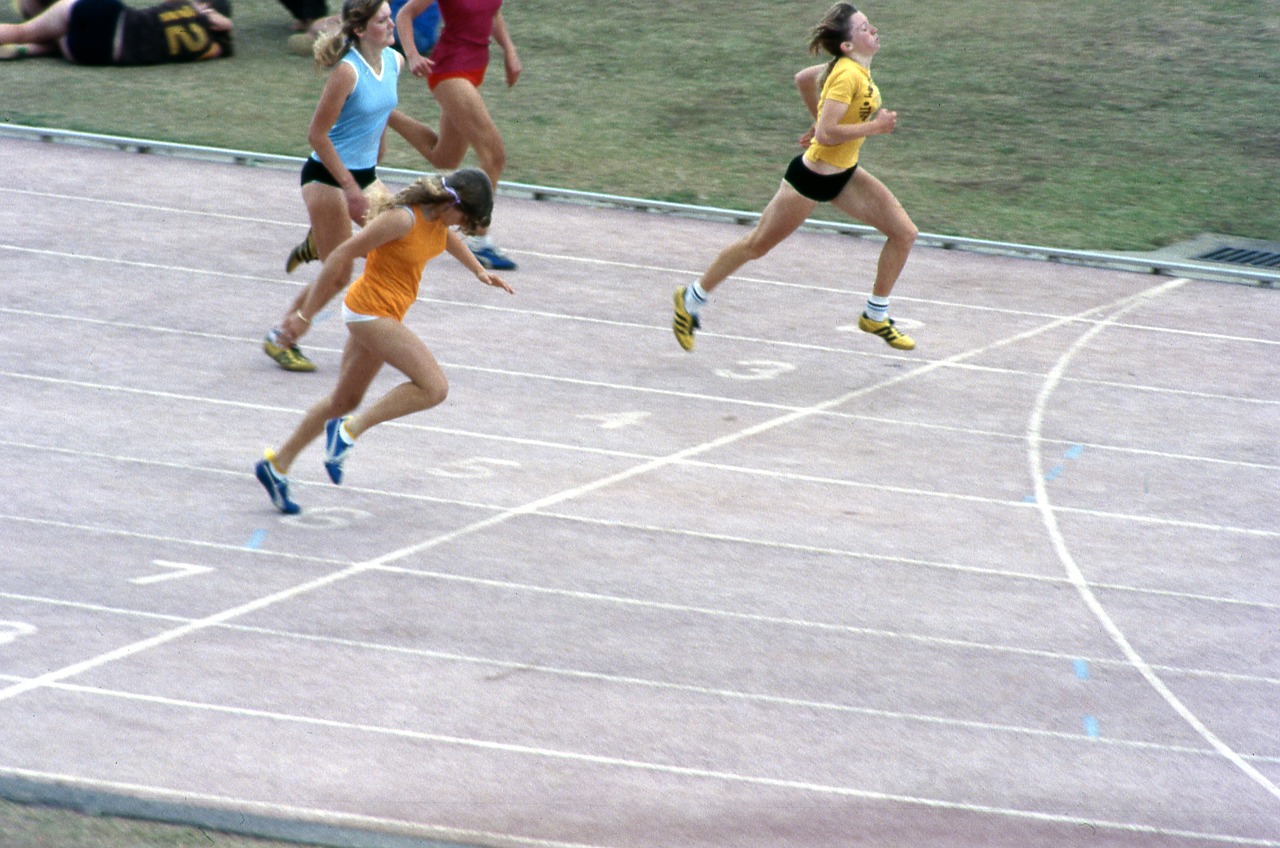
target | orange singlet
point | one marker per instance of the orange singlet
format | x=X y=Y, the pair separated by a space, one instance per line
x=389 y=284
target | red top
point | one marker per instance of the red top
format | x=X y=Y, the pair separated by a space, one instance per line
x=464 y=39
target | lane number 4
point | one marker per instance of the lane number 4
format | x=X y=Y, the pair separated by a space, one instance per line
x=475 y=467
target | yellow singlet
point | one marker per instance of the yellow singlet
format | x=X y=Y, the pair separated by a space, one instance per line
x=848 y=83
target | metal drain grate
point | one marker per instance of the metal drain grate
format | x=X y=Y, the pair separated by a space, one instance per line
x=1243 y=256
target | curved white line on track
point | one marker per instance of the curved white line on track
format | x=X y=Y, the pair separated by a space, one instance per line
x=1035 y=427
x=547 y=502
x=533 y=507
x=57 y=678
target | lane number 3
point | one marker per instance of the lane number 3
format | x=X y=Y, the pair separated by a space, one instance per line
x=757 y=369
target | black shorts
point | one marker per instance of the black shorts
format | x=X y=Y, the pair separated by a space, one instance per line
x=91 y=31
x=823 y=188
x=306 y=10
x=314 y=171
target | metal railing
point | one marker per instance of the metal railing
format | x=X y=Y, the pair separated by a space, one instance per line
x=1139 y=263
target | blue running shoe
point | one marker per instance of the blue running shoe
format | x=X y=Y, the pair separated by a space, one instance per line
x=276 y=484
x=336 y=448
x=492 y=257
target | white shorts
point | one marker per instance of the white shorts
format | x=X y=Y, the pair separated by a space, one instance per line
x=349 y=317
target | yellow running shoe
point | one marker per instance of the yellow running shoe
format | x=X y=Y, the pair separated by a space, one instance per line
x=885 y=330
x=288 y=358
x=684 y=323
x=304 y=252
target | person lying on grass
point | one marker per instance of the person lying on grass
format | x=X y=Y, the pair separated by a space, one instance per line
x=107 y=32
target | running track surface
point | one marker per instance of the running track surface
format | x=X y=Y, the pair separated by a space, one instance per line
x=1017 y=587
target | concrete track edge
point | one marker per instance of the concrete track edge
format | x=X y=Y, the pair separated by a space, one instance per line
x=92 y=801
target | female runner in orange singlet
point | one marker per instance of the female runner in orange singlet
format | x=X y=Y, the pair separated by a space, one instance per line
x=407 y=232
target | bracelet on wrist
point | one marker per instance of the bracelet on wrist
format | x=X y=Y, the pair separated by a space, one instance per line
x=304 y=319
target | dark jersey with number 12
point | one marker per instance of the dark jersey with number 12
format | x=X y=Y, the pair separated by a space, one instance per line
x=175 y=31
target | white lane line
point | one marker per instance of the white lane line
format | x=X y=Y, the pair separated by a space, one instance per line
x=644 y=390
x=197 y=625
x=722 y=441
x=658 y=392
x=605 y=263
x=532 y=507
x=844 y=553
x=206 y=399
x=664 y=685
x=667 y=769
x=88 y=607
x=693 y=451
x=807 y=704
x=1002 y=502
x=1066 y=657
x=1011 y=372
x=175 y=540
x=660 y=270
x=1049 y=515
x=648 y=458
x=58 y=675
x=761 y=618
x=782 y=407
x=154 y=266
x=868 y=556
x=152 y=207
x=177 y=571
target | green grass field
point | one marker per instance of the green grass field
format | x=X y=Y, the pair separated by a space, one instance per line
x=40 y=827
x=1095 y=125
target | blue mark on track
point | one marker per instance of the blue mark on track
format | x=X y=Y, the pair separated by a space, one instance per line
x=1091 y=727
x=1058 y=470
x=255 y=541
x=1082 y=669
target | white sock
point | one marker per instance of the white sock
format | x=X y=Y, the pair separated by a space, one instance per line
x=694 y=298
x=877 y=308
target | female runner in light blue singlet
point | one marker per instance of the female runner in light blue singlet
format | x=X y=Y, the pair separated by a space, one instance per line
x=346 y=136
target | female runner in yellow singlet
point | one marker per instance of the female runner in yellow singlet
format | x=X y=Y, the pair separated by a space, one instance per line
x=846 y=111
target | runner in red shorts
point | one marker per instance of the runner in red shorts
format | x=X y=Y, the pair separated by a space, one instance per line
x=454 y=73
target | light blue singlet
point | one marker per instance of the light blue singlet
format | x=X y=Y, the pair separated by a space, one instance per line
x=358 y=131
